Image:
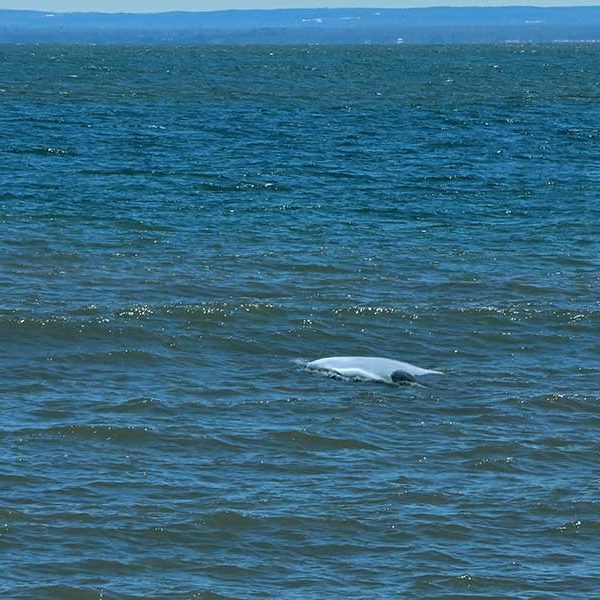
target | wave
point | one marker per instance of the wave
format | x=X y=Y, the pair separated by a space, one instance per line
x=141 y=405
x=117 y=433
x=319 y=443
x=69 y=592
x=44 y=151
x=92 y=322
x=523 y=310
x=245 y=186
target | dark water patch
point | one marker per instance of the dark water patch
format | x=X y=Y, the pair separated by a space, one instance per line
x=68 y=592
x=27 y=479
x=48 y=151
x=207 y=595
x=129 y=434
x=122 y=358
x=245 y=186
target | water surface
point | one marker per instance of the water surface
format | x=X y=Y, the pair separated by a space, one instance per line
x=179 y=225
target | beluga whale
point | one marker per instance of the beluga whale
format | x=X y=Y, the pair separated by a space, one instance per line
x=374 y=368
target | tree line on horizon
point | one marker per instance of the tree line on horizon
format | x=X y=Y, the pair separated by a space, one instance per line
x=308 y=26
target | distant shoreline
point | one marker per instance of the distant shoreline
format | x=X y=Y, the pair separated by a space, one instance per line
x=451 y=25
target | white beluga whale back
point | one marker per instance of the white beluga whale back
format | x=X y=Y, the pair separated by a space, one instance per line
x=373 y=368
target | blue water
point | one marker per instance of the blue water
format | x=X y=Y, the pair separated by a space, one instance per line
x=180 y=226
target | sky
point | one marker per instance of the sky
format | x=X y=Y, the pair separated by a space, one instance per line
x=167 y=5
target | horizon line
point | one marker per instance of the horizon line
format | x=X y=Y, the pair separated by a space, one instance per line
x=302 y=8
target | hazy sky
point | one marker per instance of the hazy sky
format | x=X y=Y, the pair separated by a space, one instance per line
x=166 y=5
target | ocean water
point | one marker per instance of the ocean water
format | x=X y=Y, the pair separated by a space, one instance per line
x=181 y=227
